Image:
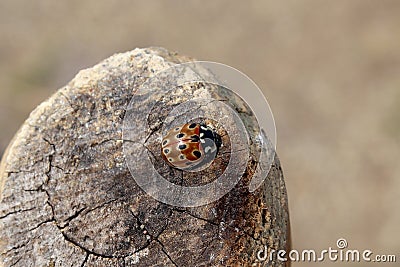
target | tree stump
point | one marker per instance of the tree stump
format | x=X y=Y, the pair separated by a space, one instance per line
x=67 y=197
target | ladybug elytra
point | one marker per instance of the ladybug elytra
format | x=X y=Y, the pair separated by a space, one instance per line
x=190 y=146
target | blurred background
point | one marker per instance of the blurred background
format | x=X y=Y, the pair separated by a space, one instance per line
x=329 y=69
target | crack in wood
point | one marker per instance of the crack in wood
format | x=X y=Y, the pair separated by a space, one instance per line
x=16 y=211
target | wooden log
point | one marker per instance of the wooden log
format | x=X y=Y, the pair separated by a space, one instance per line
x=67 y=197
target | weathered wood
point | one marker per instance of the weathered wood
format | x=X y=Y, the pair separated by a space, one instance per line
x=68 y=198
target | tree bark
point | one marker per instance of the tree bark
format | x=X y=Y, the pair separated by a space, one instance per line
x=67 y=197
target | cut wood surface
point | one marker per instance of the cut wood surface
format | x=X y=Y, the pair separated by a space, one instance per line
x=67 y=197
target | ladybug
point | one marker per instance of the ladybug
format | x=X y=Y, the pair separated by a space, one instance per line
x=190 y=146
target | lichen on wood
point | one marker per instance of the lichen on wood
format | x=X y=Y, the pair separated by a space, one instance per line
x=67 y=197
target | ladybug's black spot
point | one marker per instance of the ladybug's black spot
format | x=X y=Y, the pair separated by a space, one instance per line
x=182 y=147
x=195 y=138
x=180 y=135
x=197 y=154
x=166 y=151
x=193 y=125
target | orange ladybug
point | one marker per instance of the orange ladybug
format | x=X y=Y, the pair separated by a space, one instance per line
x=190 y=146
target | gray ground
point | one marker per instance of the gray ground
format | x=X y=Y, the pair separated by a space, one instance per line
x=330 y=70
